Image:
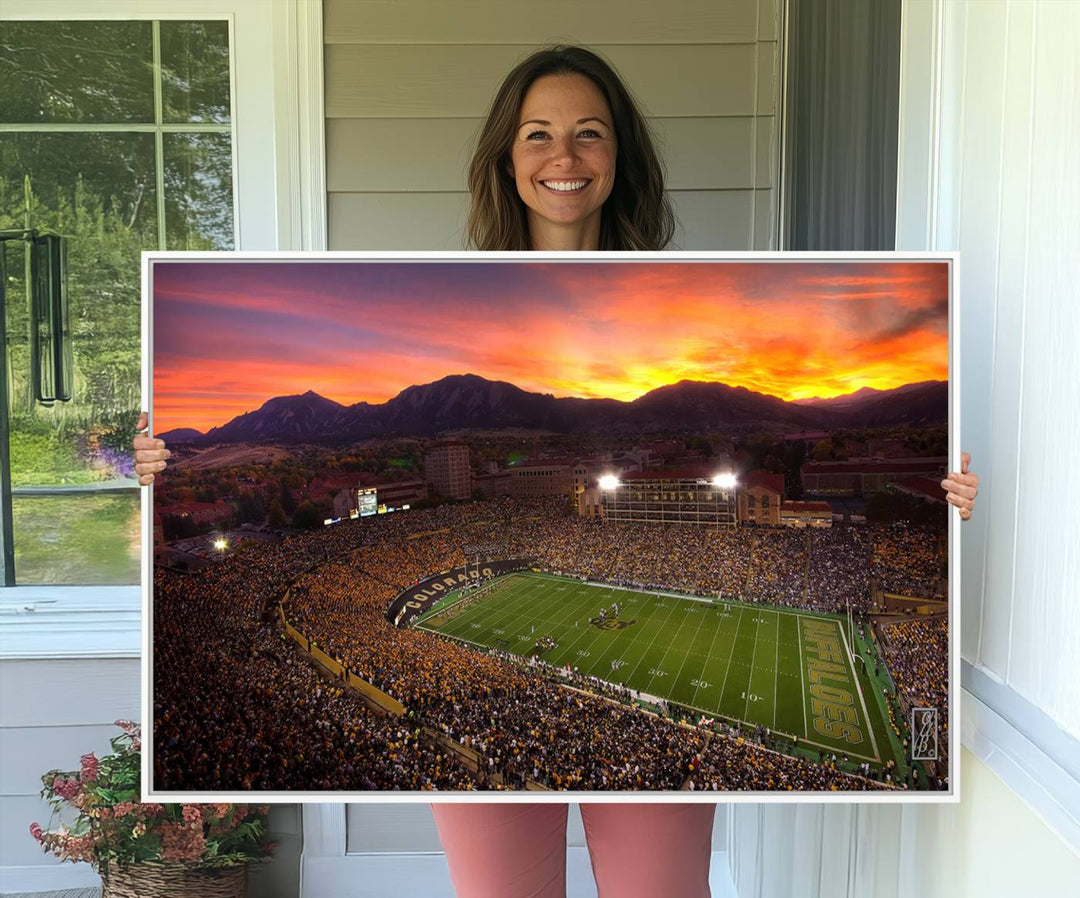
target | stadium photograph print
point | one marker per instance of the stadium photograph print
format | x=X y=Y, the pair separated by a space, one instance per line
x=672 y=524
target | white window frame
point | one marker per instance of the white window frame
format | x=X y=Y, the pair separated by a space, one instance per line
x=280 y=204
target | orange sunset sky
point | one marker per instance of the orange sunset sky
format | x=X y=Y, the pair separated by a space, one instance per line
x=229 y=335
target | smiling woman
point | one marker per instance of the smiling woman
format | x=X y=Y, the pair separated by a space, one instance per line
x=562 y=117
x=563 y=160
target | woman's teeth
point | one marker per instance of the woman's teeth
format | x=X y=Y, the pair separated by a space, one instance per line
x=564 y=186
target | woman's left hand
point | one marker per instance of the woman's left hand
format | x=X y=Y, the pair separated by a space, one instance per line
x=962 y=488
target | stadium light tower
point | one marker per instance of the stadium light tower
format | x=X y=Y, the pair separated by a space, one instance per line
x=725 y=481
x=609 y=482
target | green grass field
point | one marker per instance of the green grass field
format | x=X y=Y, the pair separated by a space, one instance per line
x=790 y=670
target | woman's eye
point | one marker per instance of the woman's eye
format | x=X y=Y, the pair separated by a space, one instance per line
x=589 y=132
x=536 y=135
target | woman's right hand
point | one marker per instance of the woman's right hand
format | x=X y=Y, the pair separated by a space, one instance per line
x=150 y=454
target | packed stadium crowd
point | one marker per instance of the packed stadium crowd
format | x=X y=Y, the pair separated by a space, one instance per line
x=909 y=561
x=738 y=763
x=778 y=568
x=819 y=569
x=237 y=706
x=917 y=655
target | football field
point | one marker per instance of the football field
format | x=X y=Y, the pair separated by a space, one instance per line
x=790 y=670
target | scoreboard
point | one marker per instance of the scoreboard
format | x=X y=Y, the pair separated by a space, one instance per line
x=367 y=502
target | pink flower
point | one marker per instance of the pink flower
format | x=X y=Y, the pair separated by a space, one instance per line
x=181 y=842
x=89 y=767
x=153 y=810
x=66 y=789
x=192 y=813
x=36 y=832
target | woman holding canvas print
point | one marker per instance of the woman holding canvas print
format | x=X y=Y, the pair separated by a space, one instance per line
x=564 y=163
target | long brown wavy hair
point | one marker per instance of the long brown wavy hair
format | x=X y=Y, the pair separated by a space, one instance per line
x=637 y=214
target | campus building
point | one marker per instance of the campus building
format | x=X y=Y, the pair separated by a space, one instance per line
x=446 y=469
x=806 y=514
x=848 y=478
x=760 y=497
x=535 y=479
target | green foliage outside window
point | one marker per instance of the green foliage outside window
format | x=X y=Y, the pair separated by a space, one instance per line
x=98 y=182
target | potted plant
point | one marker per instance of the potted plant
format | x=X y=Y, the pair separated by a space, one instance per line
x=145 y=850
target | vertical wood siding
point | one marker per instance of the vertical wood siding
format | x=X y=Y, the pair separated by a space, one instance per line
x=1008 y=157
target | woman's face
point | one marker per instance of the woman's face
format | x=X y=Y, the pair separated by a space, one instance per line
x=563 y=157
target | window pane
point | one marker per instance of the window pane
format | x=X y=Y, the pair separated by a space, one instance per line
x=198 y=192
x=76 y=72
x=90 y=184
x=81 y=540
x=98 y=191
x=195 y=71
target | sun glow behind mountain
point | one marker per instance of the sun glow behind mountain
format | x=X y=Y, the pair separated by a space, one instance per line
x=228 y=335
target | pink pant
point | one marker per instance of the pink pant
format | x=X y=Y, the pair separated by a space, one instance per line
x=519 y=850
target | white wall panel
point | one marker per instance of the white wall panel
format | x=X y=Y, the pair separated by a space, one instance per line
x=516 y=22
x=766 y=220
x=1046 y=631
x=380 y=154
x=432 y=155
x=979 y=158
x=27 y=752
x=66 y=693
x=713 y=219
x=1004 y=189
x=460 y=80
x=1006 y=353
x=397 y=221
x=390 y=827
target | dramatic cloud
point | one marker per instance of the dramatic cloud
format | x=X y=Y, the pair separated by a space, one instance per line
x=229 y=335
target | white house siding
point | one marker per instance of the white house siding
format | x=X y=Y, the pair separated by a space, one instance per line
x=408 y=83
x=53 y=711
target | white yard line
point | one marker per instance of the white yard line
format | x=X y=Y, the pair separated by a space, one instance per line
x=648 y=649
x=716 y=632
x=862 y=698
x=723 y=686
x=660 y=663
x=776 y=674
x=750 y=682
x=686 y=654
x=802 y=675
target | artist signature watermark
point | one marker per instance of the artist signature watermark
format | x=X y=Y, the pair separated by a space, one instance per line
x=924 y=734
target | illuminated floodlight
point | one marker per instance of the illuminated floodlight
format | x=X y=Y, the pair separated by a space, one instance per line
x=724 y=481
x=221 y=544
x=609 y=482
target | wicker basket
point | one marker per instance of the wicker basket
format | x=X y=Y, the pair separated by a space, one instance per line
x=174 y=881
